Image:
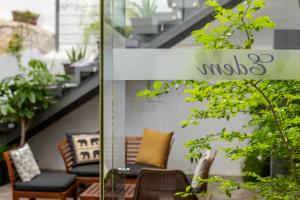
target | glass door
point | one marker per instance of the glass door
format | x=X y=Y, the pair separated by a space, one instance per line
x=112 y=101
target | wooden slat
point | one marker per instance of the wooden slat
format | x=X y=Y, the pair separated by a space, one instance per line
x=132 y=146
x=92 y=192
x=65 y=151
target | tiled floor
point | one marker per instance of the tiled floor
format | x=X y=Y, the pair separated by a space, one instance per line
x=5 y=194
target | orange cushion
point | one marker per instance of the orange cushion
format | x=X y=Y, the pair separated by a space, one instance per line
x=154 y=148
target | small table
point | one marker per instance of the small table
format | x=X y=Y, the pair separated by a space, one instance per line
x=92 y=193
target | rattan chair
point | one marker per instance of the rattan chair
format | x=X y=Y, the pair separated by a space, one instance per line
x=154 y=184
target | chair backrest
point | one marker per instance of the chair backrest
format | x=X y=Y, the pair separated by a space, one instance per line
x=153 y=184
x=66 y=153
x=132 y=146
x=12 y=173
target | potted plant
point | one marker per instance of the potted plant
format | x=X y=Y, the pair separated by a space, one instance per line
x=25 y=16
x=142 y=16
x=3 y=169
x=74 y=54
x=25 y=95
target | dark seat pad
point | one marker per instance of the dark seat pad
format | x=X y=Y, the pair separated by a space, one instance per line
x=47 y=182
x=89 y=170
x=135 y=168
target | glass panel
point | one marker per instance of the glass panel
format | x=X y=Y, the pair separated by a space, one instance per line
x=113 y=107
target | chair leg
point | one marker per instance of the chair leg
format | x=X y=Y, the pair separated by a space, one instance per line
x=63 y=197
x=74 y=195
x=15 y=196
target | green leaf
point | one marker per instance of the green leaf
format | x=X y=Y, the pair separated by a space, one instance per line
x=212 y=3
x=157 y=85
x=32 y=97
x=142 y=93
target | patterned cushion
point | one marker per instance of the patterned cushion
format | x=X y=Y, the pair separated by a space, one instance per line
x=25 y=163
x=85 y=147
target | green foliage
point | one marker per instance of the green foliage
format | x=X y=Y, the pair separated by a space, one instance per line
x=15 y=44
x=147 y=9
x=273 y=105
x=30 y=14
x=258 y=165
x=24 y=95
x=232 y=22
x=75 y=54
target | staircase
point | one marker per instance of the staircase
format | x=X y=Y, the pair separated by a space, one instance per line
x=164 y=31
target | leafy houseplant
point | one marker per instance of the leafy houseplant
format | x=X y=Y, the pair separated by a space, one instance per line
x=273 y=106
x=25 y=16
x=25 y=95
x=3 y=169
x=74 y=55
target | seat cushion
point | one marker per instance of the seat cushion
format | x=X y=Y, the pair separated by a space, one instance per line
x=47 y=182
x=135 y=168
x=89 y=170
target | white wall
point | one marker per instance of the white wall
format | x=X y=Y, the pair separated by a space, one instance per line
x=44 y=145
x=162 y=114
x=165 y=114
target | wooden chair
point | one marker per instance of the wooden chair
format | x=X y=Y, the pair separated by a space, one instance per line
x=153 y=184
x=66 y=153
x=132 y=146
x=19 y=188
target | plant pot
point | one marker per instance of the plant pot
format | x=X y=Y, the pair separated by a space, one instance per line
x=3 y=173
x=21 y=17
x=68 y=69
